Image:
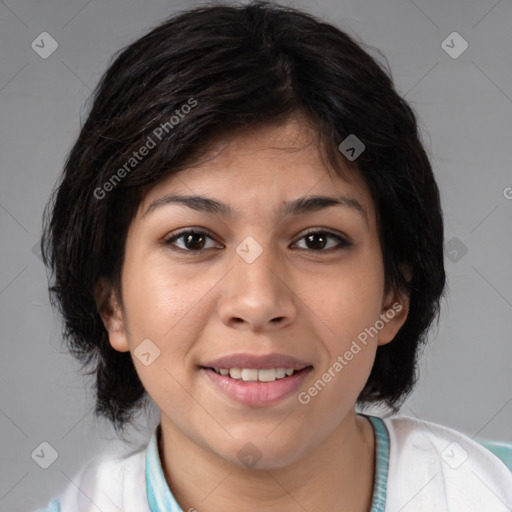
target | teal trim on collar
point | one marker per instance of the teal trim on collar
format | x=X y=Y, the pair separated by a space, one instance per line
x=159 y=495
x=160 y=498
x=53 y=506
x=502 y=450
x=381 y=464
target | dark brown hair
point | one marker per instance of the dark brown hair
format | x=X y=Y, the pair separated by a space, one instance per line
x=237 y=67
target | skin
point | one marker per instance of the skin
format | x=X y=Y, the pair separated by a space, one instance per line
x=197 y=306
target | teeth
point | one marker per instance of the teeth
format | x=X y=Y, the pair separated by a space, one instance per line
x=249 y=374
x=252 y=374
x=267 y=375
x=235 y=373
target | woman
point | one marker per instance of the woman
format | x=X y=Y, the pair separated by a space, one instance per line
x=248 y=232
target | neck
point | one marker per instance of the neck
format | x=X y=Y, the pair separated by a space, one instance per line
x=336 y=475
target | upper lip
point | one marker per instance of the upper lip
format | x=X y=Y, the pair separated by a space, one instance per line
x=259 y=362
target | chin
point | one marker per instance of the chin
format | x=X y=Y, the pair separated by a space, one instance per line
x=260 y=454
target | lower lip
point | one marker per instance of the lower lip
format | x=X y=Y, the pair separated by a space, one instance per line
x=257 y=393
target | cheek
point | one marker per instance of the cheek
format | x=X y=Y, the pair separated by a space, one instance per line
x=340 y=380
x=347 y=301
x=158 y=297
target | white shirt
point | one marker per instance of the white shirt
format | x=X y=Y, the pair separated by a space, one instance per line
x=420 y=467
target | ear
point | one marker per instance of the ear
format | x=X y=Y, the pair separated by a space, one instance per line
x=394 y=312
x=112 y=315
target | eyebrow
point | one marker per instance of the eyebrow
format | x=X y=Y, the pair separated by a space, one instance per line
x=300 y=206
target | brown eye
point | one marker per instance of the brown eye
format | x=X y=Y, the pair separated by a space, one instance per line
x=191 y=241
x=318 y=240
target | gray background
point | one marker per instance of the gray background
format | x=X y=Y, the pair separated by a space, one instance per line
x=465 y=110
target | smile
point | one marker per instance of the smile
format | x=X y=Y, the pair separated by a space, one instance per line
x=256 y=387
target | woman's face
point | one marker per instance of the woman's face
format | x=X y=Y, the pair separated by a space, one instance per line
x=266 y=283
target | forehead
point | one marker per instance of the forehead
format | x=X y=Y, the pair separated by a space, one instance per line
x=265 y=167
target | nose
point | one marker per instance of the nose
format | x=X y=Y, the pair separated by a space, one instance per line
x=258 y=296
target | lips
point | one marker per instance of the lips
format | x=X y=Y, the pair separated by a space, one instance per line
x=256 y=380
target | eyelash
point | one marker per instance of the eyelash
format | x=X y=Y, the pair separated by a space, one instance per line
x=169 y=241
